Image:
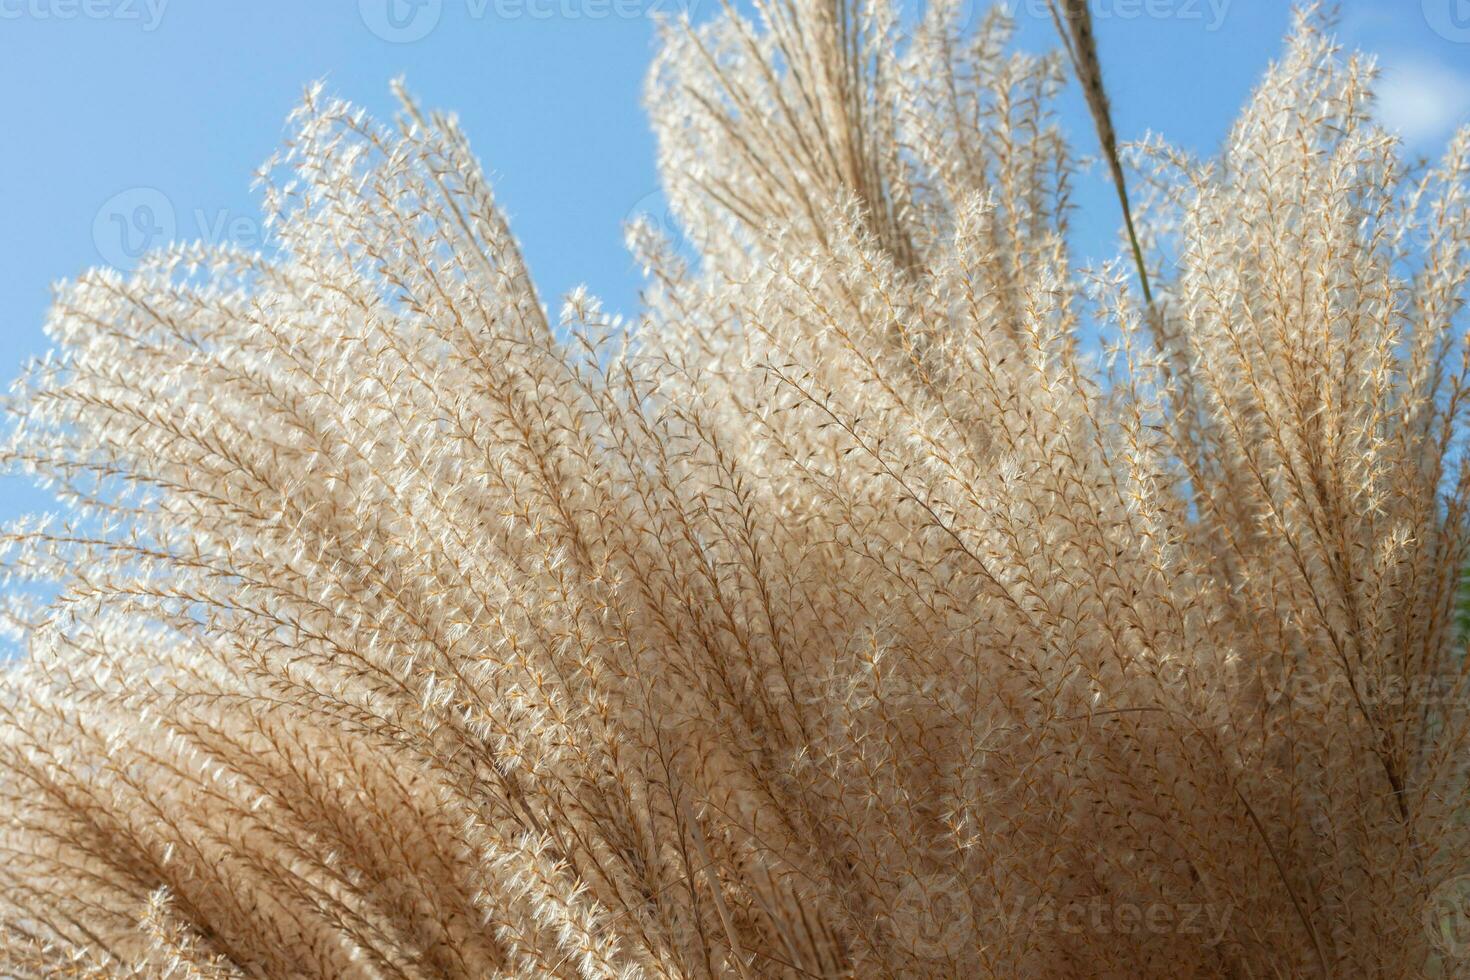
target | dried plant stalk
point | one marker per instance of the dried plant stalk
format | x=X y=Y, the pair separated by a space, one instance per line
x=839 y=617
x=1074 y=26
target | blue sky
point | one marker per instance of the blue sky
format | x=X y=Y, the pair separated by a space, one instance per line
x=125 y=117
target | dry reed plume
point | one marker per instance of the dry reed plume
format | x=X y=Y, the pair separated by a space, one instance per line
x=841 y=616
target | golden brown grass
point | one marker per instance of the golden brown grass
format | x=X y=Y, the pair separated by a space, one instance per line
x=840 y=617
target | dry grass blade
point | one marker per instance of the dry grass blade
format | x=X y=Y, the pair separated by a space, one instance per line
x=1074 y=26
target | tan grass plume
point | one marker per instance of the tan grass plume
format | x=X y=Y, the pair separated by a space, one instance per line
x=844 y=615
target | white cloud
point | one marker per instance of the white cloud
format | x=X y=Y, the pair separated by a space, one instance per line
x=1423 y=102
